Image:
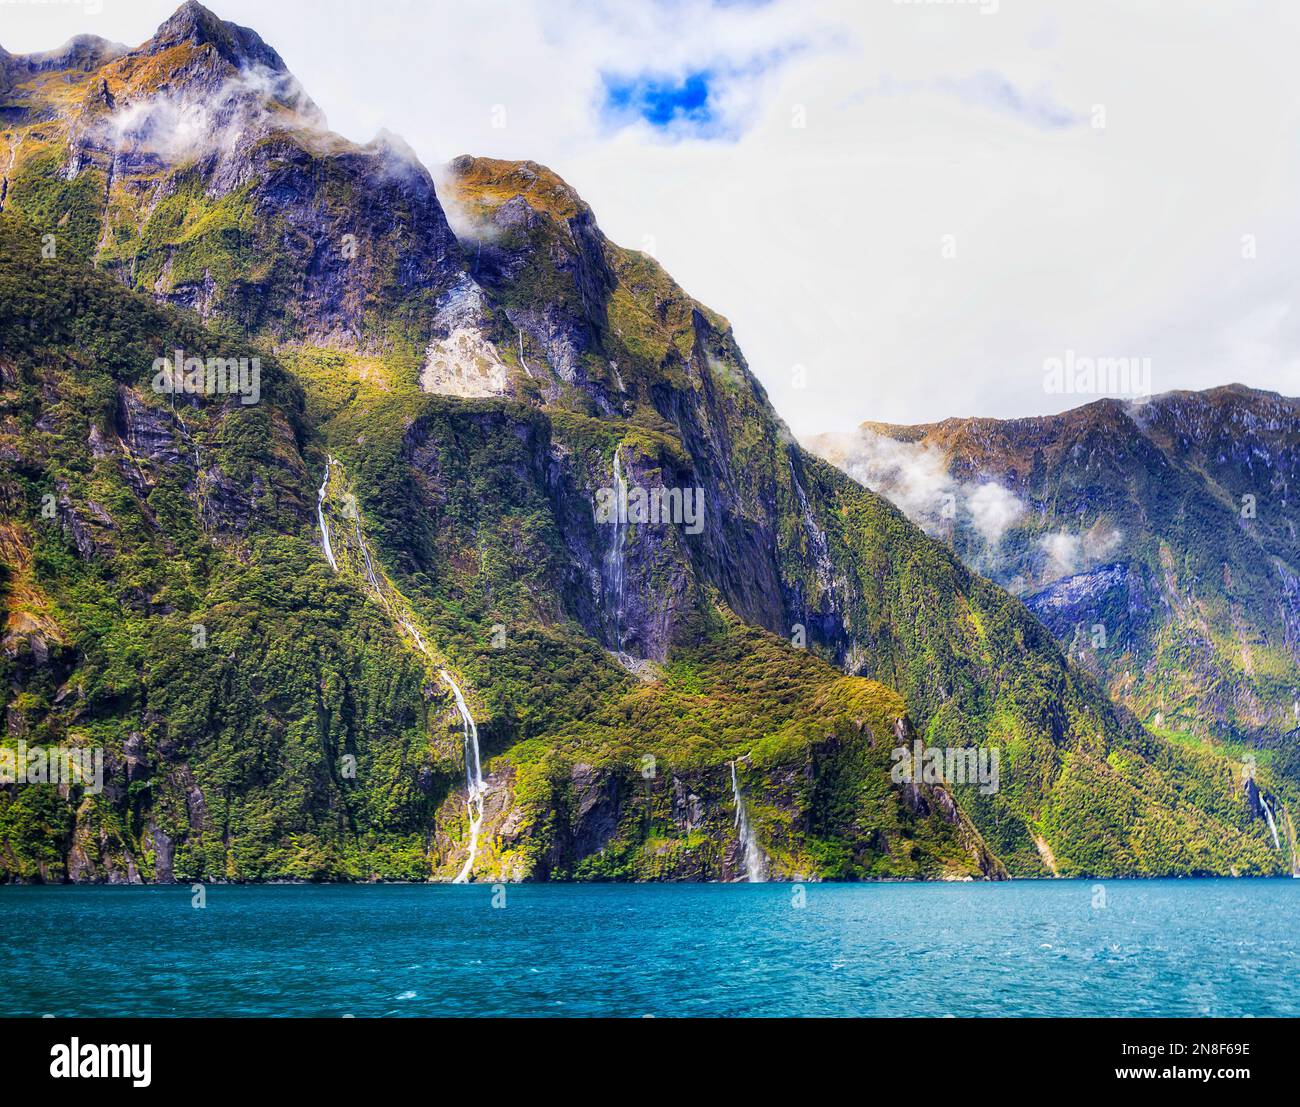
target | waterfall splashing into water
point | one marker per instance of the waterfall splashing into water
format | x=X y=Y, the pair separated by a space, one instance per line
x=1268 y=814
x=473 y=775
x=614 y=558
x=320 y=516
x=393 y=602
x=755 y=862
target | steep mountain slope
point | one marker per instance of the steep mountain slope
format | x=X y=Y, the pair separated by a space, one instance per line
x=414 y=503
x=196 y=168
x=1157 y=541
x=264 y=715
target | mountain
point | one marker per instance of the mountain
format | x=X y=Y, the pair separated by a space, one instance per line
x=1157 y=540
x=376 y=620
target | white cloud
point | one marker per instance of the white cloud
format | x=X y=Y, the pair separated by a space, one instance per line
x=1067 y=554
x=975 y=515
x=993 y=510
x=1099 y=543
x=179 y=124
x=915 y=478
x=1064 y=553
x=824 y=244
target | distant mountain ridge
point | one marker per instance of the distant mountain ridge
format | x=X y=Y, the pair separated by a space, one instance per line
x=1157 y=540
x=410 y=507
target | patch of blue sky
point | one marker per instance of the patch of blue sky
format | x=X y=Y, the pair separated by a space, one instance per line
x=666 y=102
x=716 y=101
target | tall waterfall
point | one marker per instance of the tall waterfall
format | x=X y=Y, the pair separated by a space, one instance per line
x=370 y=565
x=200 y=482
x=1268 y=814
x=392 y=601
x=821 y=549
x=185 y=433
x=320 y=516
x=614 y=558
x=755 y=862
x=521 y=356
x=473 y=775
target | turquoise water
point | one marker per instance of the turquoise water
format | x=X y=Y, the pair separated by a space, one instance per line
x=1191 y=947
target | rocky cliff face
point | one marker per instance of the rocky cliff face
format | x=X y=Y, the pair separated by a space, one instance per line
x=195 y=168
x=425 y=489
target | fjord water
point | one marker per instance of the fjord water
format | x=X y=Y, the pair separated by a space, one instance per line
x=1174 y=948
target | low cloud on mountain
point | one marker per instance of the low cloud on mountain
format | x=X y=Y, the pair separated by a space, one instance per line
x=1068 y=553
x=975 y=515
x=915 y=478
x=185 y=123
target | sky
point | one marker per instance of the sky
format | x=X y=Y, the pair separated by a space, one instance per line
x=907 y=211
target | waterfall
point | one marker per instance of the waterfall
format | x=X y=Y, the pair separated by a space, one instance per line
x=755 y=862
x=614 y=559
x=821 y=550
x=14 y=143
x=185 y=433
x=397 y=606
x=473 y=775
x=473 y=771
x=521 y=356
x=370 y=567
x=1268 y=814
x=199 y=481
x=320 y=515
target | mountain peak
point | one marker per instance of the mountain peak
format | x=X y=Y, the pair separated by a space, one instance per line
x=81 y=52
x=194 y=24
x=495 y=181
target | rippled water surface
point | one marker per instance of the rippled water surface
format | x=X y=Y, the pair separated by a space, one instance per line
x=1187 y=947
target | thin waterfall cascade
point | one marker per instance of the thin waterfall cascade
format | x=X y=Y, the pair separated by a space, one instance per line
x=320 y=516
x=199 y=479
x=420 y=643
x=816 y=536
x=14 y=143
x=473 y=775
x=614 y=567
x=618 y=576
x=365 y=560
x=189 y=438
x=1268 y=814
x=755 y=861
x=521 y=357
x=395 y=604
x=388 y=598
x=381 y=590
